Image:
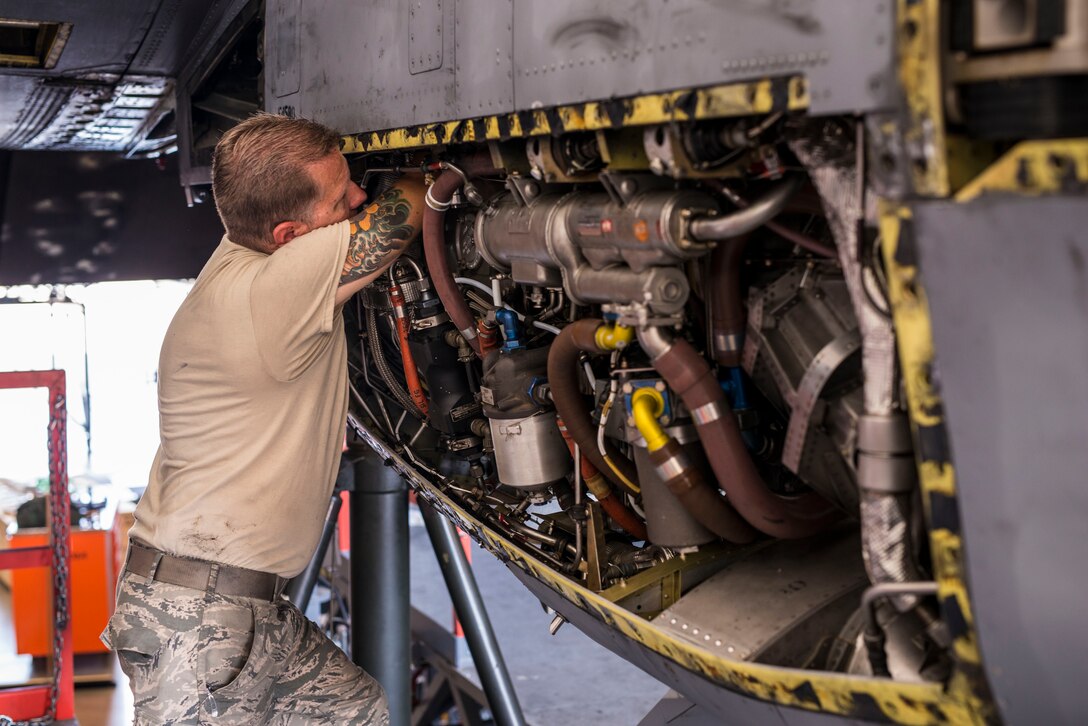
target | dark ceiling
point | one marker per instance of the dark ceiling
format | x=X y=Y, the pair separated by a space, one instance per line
x=105 y=74
x=89 y=189
x=86 y=217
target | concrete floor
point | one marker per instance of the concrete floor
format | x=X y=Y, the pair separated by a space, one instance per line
x=562 y=679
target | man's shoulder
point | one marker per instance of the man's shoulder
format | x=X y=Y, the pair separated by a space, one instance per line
x=318 y=238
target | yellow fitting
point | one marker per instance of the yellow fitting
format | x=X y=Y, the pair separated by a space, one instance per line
x=646 y=405
x=597 y=486
x=613 y=337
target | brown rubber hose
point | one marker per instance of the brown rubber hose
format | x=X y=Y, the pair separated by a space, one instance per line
x=563 y=372
x=434 y=248
x=701 y=498
x=726 y=305
x=689 y=375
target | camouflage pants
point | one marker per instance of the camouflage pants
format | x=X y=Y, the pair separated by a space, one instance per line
x=202 y=658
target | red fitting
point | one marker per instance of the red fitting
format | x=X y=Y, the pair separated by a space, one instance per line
x=488 y=334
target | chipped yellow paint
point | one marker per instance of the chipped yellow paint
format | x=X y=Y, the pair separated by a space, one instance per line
x=737 y=99
x=663 y=575
x=906 y=703
x=1033 y=168
x=915 y=342
x=919 y=49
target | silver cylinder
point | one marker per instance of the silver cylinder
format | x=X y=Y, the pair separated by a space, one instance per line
x=529 y=452
x=647 y=231
x=599 y=251
x=668 y=523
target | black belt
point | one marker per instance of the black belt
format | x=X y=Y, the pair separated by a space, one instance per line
x=201 y=574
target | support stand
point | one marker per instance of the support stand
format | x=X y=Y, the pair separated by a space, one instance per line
x=379 y=595
x=473 y=616
x=380 y=635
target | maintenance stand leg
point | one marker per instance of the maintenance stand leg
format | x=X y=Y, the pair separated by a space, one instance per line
x=301 y=588
x=473 y=616
x=379 y=580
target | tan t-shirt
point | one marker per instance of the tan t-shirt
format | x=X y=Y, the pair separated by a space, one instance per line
x=252 y=404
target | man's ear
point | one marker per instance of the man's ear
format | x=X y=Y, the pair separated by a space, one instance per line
x=284 y=232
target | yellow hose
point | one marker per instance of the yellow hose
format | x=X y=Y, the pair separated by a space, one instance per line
x=647 y=404
x=611 y=465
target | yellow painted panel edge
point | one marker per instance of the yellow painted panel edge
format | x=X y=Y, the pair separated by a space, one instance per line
x=1034 y=168
x=907 y=703
x=914 y=335
x=918 y=43
x=738 y=99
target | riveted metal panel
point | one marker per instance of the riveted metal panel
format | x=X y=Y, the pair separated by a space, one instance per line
x=425 y=35
x=1007 y=283
x=356 y=71
x=484 y=56
x=721 y=705
x=566 y=51
x=785 y=585
x=282 y=34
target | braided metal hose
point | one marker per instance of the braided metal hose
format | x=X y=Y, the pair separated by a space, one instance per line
x=382 y=365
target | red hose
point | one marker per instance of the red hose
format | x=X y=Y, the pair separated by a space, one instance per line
x=612 y=505
x=411 y=373
x=690 y=376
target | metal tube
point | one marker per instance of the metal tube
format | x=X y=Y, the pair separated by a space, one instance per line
x=874 y=634
x=755 y=215
x=501 y=697
x=380 y=638
x=301 y=587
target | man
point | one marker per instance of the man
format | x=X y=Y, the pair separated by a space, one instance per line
x=252 y=407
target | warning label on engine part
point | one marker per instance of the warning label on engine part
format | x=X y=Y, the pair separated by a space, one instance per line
x=487 y=395
x=464 y=411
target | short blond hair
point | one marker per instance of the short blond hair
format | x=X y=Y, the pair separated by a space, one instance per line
x=259 y=175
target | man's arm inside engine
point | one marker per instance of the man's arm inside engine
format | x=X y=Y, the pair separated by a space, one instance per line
x=380 y=233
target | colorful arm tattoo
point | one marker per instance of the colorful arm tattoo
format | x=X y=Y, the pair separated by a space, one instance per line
x=377 y=235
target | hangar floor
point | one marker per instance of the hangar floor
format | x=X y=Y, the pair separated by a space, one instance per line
x=565 y=678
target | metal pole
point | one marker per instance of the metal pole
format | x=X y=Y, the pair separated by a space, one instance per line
x=461 y=583
x=301 y=588
x=379 y=580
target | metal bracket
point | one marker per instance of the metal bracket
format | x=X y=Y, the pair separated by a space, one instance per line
x=596 y=557
x=622 y=188
x=526 y=189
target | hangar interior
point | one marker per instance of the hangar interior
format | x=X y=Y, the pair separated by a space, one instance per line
x=735 y=375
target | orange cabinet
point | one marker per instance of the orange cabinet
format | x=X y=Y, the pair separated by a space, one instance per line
x=97 y=553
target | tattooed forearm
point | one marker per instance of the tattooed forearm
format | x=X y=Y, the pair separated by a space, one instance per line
x=382 y=230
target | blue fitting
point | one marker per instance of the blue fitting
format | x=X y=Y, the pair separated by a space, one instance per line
x=734 y=389
x=511 y=329
x=733 y=386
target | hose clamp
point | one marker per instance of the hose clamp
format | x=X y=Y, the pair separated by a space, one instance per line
x=434 y=203
x=671 y=467
x=728 y=342
x=469 y=333
x=707 y=413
